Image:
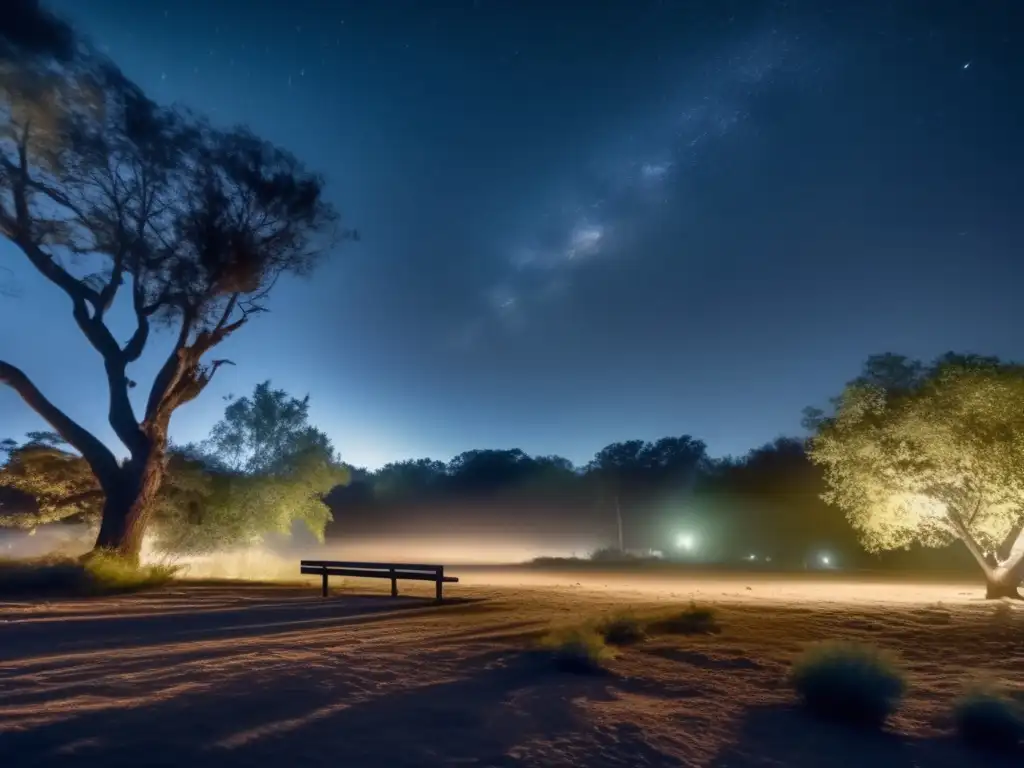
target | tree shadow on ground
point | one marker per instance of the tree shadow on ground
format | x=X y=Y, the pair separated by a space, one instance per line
x=784 y=735
x=496 y=709
x=33 y=637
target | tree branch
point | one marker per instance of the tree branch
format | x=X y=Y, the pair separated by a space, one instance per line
x=99 y=457
x=969 y=541
x=137 y=343
x=170 y=371
x=121 y=414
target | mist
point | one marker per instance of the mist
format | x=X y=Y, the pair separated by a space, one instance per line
x=276 y=557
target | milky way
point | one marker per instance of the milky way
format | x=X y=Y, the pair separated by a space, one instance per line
x=712 y=105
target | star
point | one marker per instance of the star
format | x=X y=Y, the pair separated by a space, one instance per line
x=967 y=65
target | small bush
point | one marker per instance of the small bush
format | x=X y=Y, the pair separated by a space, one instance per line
x=622 y=629
x=612 y=555
x=100 y=573
x=580 y=650
x=693 y=620
x=853 y=683
x=986 y=718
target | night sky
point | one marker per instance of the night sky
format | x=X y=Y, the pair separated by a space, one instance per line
x=589 y=221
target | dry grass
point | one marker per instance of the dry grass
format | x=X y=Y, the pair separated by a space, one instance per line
x=620 y=629
x=579 y=650
x=98 y=575
x=692 y=620
x=226 y=676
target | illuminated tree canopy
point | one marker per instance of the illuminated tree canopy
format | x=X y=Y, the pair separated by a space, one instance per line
x=930 y=454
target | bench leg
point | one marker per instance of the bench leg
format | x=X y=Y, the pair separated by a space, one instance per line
x=324 y=586
x=394 y=585
x=438 y=598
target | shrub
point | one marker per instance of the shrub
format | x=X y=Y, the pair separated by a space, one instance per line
x=987 y=718
x=853 y=683
x=693 y=620
x=622 y=629
x=100 y=573
x=580 y=650
x=612 y=555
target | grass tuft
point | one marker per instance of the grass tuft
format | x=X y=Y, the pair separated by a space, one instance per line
x=849 y=682
x=692 y=620
x=986 y=718
x=622 y=629
x=578 y=650
x=100 y=573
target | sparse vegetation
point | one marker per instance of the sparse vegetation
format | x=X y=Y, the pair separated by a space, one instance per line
x=101 y=573
x=849 y=682
x=579 y=650
x=622 y=629
x=988 y=718
x=693 y=620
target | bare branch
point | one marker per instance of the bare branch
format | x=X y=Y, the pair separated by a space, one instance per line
x=99 y=457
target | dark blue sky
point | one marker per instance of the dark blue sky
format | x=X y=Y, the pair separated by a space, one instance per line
x=590 y=221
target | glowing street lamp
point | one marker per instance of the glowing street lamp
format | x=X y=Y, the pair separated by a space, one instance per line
x=686 y=542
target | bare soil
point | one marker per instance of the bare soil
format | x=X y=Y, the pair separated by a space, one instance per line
x=229 y=674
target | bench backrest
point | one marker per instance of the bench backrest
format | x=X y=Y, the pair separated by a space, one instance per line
x=384 y=568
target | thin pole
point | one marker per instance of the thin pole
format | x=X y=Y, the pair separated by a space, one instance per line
x=618 y=519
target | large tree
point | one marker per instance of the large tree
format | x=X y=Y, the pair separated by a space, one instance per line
x=109 y=196
x=930 y=454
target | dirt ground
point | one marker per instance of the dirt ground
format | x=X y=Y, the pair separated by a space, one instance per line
x=248 y=675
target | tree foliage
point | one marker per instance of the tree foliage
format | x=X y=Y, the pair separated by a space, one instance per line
x=930 y=453
x=46 y=483
x=263 y=469
x=262 y=431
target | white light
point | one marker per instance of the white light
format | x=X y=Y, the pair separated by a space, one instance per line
x=826 y=560
x=751 y=557
x=686 y=541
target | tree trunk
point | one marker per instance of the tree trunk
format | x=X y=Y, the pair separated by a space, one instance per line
x=1002 y=577
x=128 y=507
x=1002 y=582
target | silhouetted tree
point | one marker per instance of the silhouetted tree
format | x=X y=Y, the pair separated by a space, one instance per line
x=487 y=471
x=934 y=459
x=106 y=194
x=770 y=502
x=413 y=478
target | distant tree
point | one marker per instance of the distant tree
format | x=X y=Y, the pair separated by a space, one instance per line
x=674 y=462
x=262 y=430
x=107 y=194
x=632 y=471
x=772 y=505
x=205 y=508
x=935 y=458
x=409 y=479
x=487 y=471
x=263 y=469
x=46 y=483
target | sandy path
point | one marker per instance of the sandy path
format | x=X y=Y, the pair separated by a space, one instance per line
x=274 y=676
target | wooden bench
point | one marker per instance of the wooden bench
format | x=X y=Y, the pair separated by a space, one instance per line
x=393 y=571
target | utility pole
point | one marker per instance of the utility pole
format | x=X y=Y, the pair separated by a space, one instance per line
x=618 y=519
